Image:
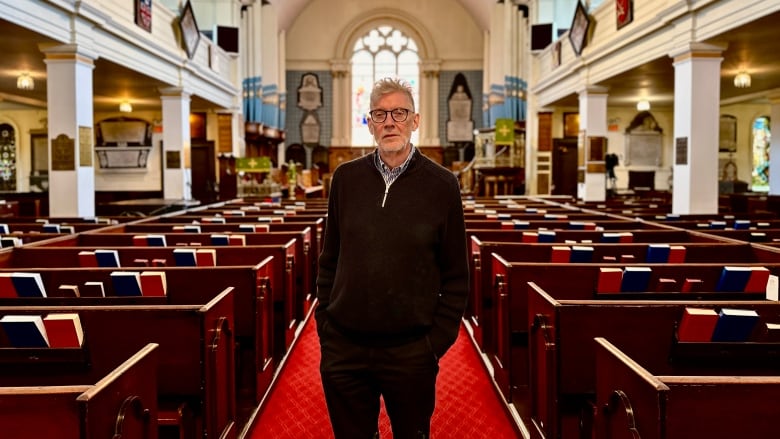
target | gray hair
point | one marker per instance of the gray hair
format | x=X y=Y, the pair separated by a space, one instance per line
x=391 y=85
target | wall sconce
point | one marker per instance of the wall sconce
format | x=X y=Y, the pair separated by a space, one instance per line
x=643 y=105
x=25 y=82
x=742 y=80
x=125 y=107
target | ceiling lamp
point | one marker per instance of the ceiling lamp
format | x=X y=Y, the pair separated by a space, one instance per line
x=643 y=105
x=25 y=82
x=742 y=80
x=125 y=107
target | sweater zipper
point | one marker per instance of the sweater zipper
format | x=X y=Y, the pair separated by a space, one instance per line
x=387 y=189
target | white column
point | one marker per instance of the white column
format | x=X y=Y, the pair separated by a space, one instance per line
x=71 y=137
x=593 y=132
x=696 y=121
x=177 y=174
x=429 y=103
x=774 y=146
x=342 y=109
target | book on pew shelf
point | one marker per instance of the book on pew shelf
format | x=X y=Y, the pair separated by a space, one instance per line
x=246 y=228
x=741 y=224
x=691 y=285
x=25 y=331
x=772 y=287
x=206 y=257
x=608 y=258
x=219 y=239
x=665 y=285
x=506 y=225
x=520 y=225
x=185 y=257
x=126 y=283
x=676 y=254
x=609 y=280
x=156 y=240
x=7 y=289
x=139 y=241
x=757 y=282
x=4 y=229
x=734 y=325
x=67 y=229
x=42 y=220
x=627 y=259
x=757 y=237
x=93 y=289
x=213 y=220
x=771 y=333
x=635 y=279
x=153 y=283
x=140 y=262
x=560 y=253
x=87 y=258
x=610 y=237
x=733 y=279
x=697 y=324
x=237 y=239
x=191 y=228
x=10 y=242
x=546 y=236
x=66 y=290
x=159 y=262
x=717 y=224
x=28 y=284
x=657 y=253
x=63 y=330
x=107 y=258
x=529 y=237
x=581 y=253
x=51 y=228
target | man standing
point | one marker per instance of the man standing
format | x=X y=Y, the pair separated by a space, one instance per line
x=393 y=277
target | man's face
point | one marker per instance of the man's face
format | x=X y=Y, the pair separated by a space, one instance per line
x=390 y=135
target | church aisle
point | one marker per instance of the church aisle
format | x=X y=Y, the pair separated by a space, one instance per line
x=466 y=404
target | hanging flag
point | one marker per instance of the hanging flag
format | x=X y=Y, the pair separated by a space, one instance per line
x=505 y=132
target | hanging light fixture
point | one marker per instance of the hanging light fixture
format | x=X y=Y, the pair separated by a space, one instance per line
x=742 y=80
x=643 y=105
x=125 y=107
x=25 y=82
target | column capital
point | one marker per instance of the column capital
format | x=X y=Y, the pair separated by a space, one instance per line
x=697 y=50
x=592 y=90
x=173 y=92
x=68 y=52
x=430 y=68
x=339 y=68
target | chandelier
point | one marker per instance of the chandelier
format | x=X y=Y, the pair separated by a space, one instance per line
x=742 y=80
x=25 y=82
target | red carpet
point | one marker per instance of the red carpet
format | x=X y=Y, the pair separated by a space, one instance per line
x=466 y=404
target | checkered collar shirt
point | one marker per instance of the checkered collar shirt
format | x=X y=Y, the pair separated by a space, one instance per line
x=391 y=174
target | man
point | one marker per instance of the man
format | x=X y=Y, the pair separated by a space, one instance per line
x=393 y=277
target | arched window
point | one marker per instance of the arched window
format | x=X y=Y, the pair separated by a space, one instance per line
x=761 y=138
x=383 y=52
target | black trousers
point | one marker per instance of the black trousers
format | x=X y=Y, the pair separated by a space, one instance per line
x=354 y=377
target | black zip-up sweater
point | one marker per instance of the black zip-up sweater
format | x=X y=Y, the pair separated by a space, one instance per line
x=389 y=275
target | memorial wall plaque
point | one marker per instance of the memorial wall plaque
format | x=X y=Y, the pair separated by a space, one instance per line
x=681 y=151
x=172 y=160
x=85 y=146
x=63 y=153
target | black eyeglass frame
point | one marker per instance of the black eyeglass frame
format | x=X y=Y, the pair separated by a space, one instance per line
x=374 y=115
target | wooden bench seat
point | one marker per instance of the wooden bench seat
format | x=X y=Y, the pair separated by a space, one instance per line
x=196 y=353
x=123 y=403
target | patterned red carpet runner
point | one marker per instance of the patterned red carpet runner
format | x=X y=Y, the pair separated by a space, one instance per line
x=467 y=405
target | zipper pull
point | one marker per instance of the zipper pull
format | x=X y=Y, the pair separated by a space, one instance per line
x=387 y=188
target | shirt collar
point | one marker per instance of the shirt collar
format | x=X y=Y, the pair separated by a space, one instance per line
x=391 y=174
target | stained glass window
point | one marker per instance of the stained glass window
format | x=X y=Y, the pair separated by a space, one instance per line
x=761 y=140
x=7 y=158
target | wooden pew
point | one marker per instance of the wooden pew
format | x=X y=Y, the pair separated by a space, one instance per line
x=484 y=242
x=567 y=281
x=123 y=403
x=258 y=349
x=636 y=400
x=287 y=286
x=196 y=355
x=562 y=351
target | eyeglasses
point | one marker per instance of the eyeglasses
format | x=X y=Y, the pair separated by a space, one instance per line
x=398 y=115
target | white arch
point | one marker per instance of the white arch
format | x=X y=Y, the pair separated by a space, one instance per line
x=369 y=20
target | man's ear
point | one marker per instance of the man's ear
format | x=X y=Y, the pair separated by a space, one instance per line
x=371 y=129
